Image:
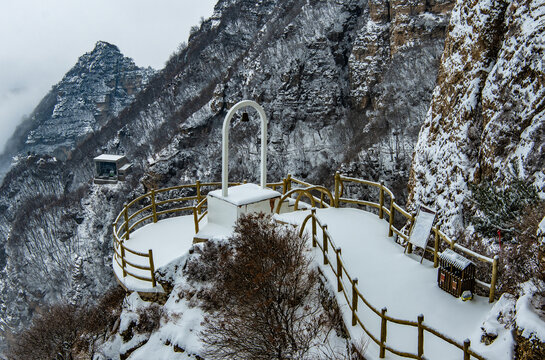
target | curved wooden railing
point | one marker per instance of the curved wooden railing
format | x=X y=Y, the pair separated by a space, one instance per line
x=156 y=203
x=386 y=197
x=164 y=202
x=355 y=297
x=307 y=192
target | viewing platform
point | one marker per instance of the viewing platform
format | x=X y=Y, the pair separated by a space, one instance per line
x=358 y=242
x=363 y=247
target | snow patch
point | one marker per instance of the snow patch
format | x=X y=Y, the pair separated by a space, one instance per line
x=527 y=319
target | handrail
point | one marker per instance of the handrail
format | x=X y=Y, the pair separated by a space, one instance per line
x=338 y=268
x=384 y=210
x=125 y=223
x=394 y=208
x=306 y=191
x=132 y=216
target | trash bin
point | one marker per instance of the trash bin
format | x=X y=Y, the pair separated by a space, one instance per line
x=456 y=273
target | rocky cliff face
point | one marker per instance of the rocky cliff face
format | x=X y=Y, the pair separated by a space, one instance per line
x=393 y=67
x=486 y=120
x=392 y=27
x=96 y=89
x=305 y=62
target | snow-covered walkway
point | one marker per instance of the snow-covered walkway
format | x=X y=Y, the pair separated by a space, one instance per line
x=168 y=239
x=388 y=278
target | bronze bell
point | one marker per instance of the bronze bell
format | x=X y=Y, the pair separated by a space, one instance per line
x=245 y=117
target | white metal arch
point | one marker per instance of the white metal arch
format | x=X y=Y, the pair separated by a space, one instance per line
x=225 y=139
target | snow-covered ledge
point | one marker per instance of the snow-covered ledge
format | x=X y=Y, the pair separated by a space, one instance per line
x=225 y=139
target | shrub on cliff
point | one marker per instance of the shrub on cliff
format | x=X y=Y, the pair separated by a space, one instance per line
x=500 y=208
x=65 y=331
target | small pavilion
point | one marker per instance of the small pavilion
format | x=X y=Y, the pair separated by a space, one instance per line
x=111 y=168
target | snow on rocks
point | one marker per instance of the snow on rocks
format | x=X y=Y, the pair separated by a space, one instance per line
x=541 y=229
x=497 y=335
x=447 y=148
x=485 y=114
x=527 y=319
x=177 y=335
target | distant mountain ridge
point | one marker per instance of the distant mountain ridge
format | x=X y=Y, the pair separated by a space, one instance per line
x=101 y=84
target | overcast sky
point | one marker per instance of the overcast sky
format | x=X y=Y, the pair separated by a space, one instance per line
x=40 y=40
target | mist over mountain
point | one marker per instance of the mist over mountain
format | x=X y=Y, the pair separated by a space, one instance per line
x=96 y=89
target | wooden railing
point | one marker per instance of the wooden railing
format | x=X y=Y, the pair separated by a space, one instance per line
x=387 y=206
x=307 y=192
x=140 y=265
x=354 y=297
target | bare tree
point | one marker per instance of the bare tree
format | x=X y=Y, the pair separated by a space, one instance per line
x=66 y=331
x=268 y=292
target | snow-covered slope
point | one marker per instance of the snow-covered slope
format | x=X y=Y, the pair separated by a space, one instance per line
x=487 y=116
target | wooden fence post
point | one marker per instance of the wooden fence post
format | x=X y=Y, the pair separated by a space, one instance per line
x=420 y=337
x=381 y=200
x=284 y=186
x=126 y=216
x=123 y=264
x=289 y=181
x=196 y=219
x=199 y=198
x=467 y=343
x=152 y=267
x=153 y=206
x=494 y=279
x=391 y=222
x=337 y=188
x=436 y=247
x=410 y=245
x=324 y=244
x=354 y=301
x=383 y=333
x=339 y=270
x=114 y=233
x=314 y=233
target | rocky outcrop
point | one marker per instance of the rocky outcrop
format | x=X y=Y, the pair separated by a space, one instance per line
x=393 y=68
x=392 y=27
x=486 y=117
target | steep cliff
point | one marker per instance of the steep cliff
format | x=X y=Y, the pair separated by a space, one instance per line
x=486 y=120
x=393 y=68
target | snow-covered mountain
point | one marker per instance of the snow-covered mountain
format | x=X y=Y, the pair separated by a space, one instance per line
x=346 y=85
x=487 y=116
x=101 y=84
x=305 y=62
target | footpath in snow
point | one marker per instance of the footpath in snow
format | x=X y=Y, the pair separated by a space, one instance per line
x=389 y=278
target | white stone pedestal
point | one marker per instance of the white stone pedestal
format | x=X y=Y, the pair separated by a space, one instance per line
x=223 y=211
x=241 y=199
